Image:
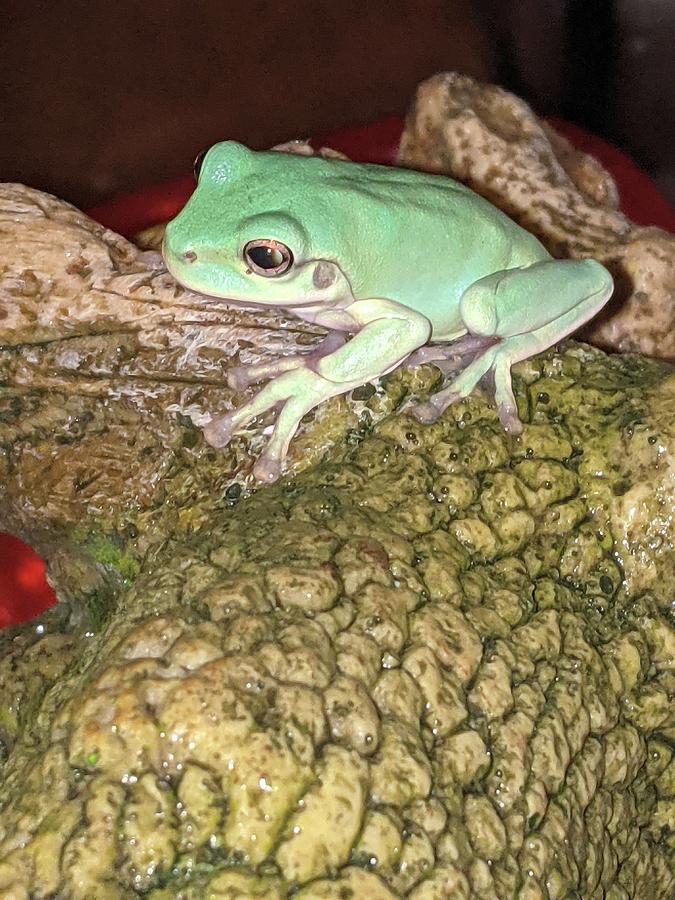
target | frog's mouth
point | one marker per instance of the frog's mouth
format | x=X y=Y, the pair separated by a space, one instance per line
x=189 y=268
x=313 y=283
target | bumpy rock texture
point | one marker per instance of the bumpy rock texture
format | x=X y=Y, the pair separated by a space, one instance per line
x=492 y=141
x=436 y=661
x=417 y=670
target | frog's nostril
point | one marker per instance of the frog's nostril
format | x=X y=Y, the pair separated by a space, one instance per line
x=190 y=256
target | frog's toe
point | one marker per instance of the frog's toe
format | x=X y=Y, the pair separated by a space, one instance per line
x=508 y=416
x=267 y=469
x=426 y=413
x=219 y=432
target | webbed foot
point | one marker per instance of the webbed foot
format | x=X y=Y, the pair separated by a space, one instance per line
x=295 y=393
x=495 y=362
x=509 y=316
x=385 y=335
x=219 y=432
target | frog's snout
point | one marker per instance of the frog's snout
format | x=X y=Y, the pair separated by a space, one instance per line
x=175 y=248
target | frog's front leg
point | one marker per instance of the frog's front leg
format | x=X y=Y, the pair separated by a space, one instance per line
x=240 y=377
x=526 y=310
x=386 y=333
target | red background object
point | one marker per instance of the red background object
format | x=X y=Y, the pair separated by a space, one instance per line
x=23 y=590
x=378 y=143
x=24 y=593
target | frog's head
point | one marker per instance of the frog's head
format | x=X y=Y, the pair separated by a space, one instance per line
x=241 y=237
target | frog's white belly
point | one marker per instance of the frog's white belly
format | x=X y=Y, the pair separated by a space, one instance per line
x=446 y=321
x=448 y=329
x=438 y=301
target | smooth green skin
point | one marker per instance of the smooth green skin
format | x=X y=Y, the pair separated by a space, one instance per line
x=417 y=267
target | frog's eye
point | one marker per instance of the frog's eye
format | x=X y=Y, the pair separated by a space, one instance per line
x=197 y=165
x=268 y=257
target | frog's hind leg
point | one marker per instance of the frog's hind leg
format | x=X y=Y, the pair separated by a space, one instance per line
x=449 y=358
x=460 y=387
x=512 y=307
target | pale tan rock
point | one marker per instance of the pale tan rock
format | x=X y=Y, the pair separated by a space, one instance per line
x=492 y=141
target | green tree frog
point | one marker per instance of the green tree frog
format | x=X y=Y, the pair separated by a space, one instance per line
x=414 y=267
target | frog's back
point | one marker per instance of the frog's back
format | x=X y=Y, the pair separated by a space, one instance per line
x=395 y=198
x=414 y=237
x=426 y=196
x=432 y=217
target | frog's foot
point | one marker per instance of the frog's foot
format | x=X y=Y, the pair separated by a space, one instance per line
x=449 y=359
x=219 y=432
x=386 y=335
x=523 y=311
x=269 y=466
x=241 y=377
x=294 y=393
x=427 y=413
x=496 y=361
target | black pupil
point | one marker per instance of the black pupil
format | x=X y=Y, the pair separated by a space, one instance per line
x=266 y=257
x=198 y=163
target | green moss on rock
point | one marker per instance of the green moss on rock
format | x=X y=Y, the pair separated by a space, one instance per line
x=109 y=551
x=418 y=669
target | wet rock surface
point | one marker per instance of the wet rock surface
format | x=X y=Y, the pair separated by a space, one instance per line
x=108 y=368
x=420 y=670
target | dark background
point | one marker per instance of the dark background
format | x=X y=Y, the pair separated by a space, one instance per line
x=100 y=98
